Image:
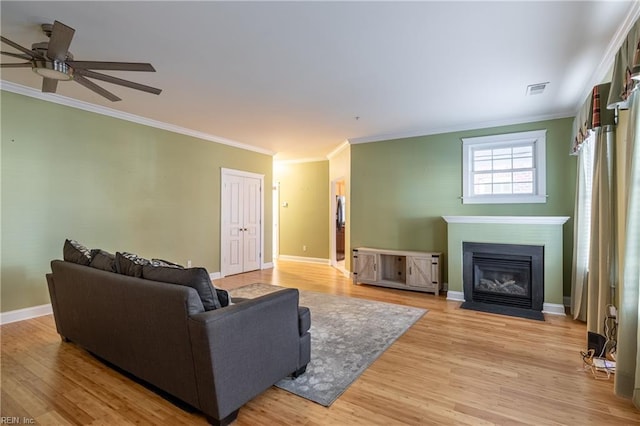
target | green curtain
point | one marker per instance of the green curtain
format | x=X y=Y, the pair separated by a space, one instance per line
x=627 y=377
x=625 y=68
x=593 y=271
x=592 y=115
x=601 y=279
x=624 y=94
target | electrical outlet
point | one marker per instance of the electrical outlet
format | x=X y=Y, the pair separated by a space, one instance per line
x=304 y=248
x=189 y=263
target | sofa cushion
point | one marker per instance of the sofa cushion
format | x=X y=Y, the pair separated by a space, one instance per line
x=130 y=264
x=104 y=260
x=197 y=278
x=75 y=252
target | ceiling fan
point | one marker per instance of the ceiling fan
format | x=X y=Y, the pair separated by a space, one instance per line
x=53 y=61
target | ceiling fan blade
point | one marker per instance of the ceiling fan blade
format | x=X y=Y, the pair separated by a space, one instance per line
x=113 y=66
x=17 y=55
x=60 y=41
x=24 y=65
x=49 y=85
x=121 y=82
x=16 y=46
x=92 y=86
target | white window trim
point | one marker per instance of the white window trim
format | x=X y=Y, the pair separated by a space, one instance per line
x=538 y=137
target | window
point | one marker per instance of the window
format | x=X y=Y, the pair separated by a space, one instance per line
x=506 y=168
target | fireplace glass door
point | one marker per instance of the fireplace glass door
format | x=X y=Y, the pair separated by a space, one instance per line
x=502 y=281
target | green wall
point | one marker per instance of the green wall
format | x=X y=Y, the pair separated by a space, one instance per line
x=110 y=184
x=400 y=189
x=304 y=222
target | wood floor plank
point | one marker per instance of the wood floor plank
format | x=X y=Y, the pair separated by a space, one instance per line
x=52 y=418
x=453 y=366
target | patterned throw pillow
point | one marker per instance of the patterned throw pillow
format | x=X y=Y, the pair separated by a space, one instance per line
x=130 y=264
x=75 y=252
x=104 y=260
x=166 y=263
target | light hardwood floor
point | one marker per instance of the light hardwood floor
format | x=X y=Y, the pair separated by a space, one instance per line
x=453 y=366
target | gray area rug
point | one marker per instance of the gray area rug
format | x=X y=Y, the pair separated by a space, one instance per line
x=347 y=335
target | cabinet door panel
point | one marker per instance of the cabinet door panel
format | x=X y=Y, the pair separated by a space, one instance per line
x=366 y=268
x=419 y=271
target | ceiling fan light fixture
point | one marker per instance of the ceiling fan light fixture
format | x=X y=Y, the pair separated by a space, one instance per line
x=55 y=70
x=53 y=62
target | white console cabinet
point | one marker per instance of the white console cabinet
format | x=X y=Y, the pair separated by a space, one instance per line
x=409 y=270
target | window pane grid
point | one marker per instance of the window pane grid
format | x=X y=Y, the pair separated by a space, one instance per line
x=503 y=170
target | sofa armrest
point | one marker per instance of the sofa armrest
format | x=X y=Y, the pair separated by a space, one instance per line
x=243 y=349
x=54 y=303
x=304 y=320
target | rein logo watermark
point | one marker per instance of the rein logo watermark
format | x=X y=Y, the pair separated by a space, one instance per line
x=6 y=420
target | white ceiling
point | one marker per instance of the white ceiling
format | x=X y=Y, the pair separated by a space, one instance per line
x=291 y=77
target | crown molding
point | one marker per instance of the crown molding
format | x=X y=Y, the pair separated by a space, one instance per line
x=110 y=112
x=461 y=128
x=301 y=160
x=338 y=150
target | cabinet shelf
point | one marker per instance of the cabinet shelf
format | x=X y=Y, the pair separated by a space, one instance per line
x=409 y=270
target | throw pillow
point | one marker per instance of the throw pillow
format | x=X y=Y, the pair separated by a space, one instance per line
x=197 y=278
x=130 y=264
x=75 y=252
x=101 y=259
x=160 y=262
x=224 y=297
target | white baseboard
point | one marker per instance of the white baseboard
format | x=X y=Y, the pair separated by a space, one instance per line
x=218 y=275
x=25 y=313
x=456 y=296
x=316 y=260
x=553 y=309
x=342 y=270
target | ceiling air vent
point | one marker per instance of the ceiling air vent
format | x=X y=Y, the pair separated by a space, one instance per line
x=536 y=89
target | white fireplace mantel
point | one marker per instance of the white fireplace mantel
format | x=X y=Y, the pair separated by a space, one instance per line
x=506 y=220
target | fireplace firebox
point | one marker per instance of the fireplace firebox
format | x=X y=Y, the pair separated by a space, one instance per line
x=504 y=279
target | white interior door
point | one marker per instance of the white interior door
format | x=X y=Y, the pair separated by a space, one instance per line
x=241 y=222
x=251 y=230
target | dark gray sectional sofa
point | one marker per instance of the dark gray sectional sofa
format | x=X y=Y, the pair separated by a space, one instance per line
x=214 y=360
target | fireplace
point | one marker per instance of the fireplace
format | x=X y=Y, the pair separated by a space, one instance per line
x=504 y=279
